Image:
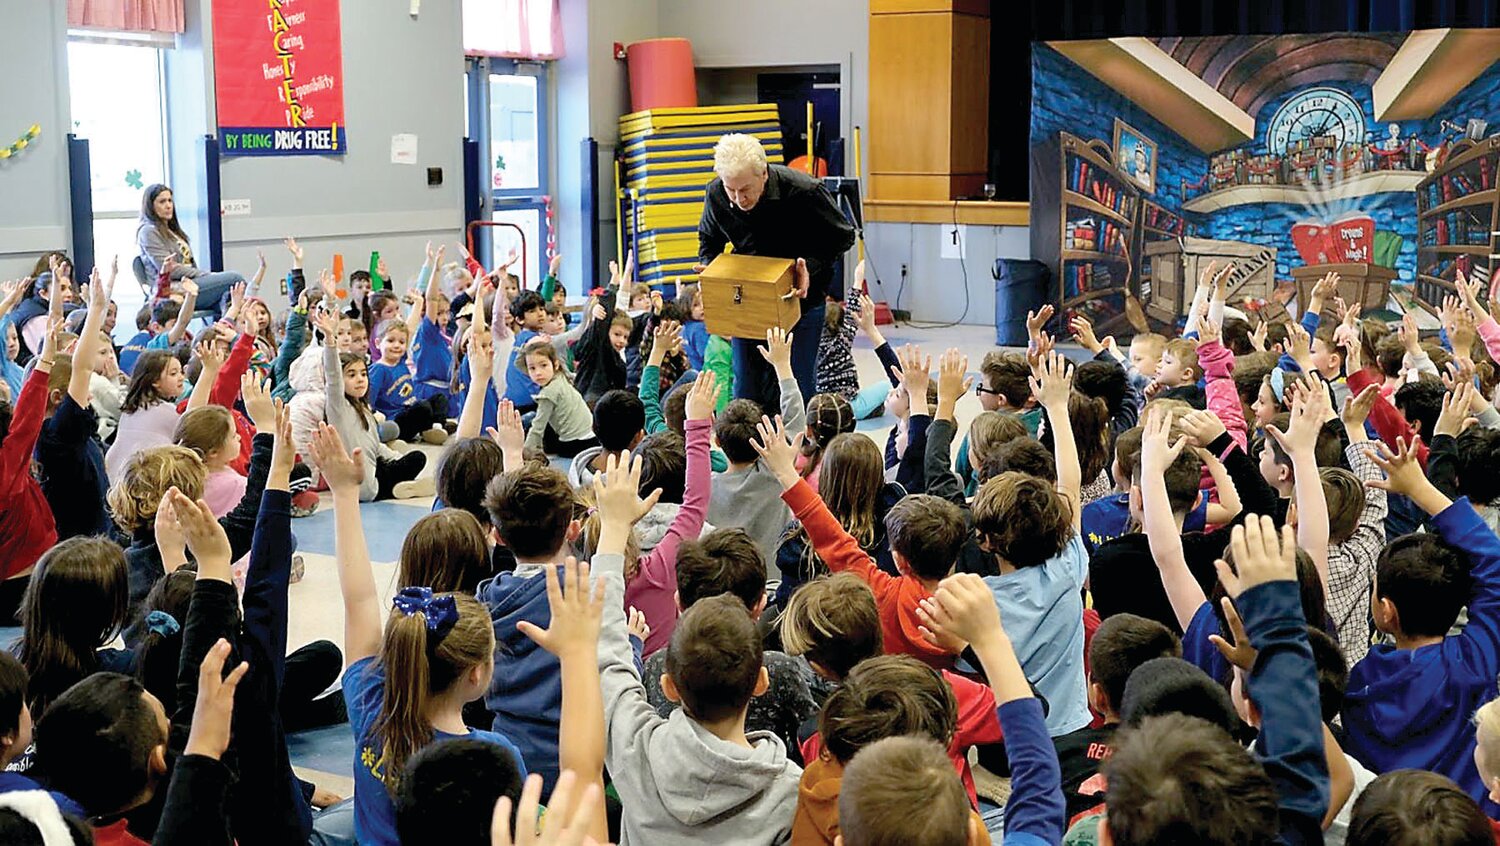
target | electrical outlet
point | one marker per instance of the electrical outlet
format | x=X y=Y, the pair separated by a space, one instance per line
x=903 y=271
x=901 y=314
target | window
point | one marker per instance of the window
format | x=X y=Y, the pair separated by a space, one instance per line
x=117 y=104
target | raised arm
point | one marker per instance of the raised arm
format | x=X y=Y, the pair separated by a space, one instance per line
x=778 y=353
x=1300 y=440
x=964 y=609
x=89 y=338
x=185 y=314
x=1051 y=383
x=1217 y=362
x=481 y=364
x=1229 y=506
x=239 y=524
x=1162 y=532
x=265 y=598
x=953 y=382
x=343 y=471
x=212 y=355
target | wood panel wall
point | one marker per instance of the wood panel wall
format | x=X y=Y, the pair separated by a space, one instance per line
x=929 y=98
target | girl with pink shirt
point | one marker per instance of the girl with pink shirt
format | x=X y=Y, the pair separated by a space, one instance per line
x=210 y=432
x=148 y=415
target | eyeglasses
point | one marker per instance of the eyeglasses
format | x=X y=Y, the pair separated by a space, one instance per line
x=980 y=390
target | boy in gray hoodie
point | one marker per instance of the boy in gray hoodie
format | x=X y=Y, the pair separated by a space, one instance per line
x=696 y=776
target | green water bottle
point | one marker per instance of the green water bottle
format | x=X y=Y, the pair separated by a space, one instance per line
x=376 y=282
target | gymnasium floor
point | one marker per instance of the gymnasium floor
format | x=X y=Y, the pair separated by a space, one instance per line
x=325 y=756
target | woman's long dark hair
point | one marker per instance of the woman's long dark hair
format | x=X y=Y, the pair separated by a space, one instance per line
x=148 y=212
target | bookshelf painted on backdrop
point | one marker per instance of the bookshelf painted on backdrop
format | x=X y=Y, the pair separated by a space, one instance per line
x=1157 y=224
x=1085 y=213
x=1458 y=209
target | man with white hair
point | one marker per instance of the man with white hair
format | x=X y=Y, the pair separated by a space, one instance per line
x=771 y=210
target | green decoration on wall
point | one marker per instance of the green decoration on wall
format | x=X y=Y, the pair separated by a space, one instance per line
x=133 y=179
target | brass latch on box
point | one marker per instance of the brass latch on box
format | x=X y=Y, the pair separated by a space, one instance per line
x=739 y=294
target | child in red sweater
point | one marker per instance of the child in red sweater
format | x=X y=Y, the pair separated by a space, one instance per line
x=27 y=528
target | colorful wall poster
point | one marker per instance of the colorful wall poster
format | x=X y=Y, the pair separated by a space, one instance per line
x=279 y=77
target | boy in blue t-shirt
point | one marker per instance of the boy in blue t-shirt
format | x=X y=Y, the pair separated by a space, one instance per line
x=1032 y=528
x=530 y=311
x=392 y=392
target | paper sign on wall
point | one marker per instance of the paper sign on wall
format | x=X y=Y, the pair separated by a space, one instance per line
x=279 y=77
x=404 y=149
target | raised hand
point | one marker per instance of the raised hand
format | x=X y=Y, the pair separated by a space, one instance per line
x=214 y=707
x=50 y=342
x=259 y=406
x=953 y=377
x=295 y=249
x=1258 y=336
x=480 y=355
x=1083 y=334
x=1036 y=320
x=636 y=625
x=170 y=541
x=1301 y=437
x=1201 y=427
x=577 y=606
x=554 y=264
x=1457 y=404
x=915 y=376
x=342 y=470
x=205 y=537
x=666 y=336
x=1239 y=652
x=1470 y=289
x=617 y=493
x=1221 y=282
x=778 y=351
x=703 y=396
x=866 y=316
x=1157 y=453
x=508 y=433
x=779 y=449
x=1261 y=555
x=557 y=827
x=283 y=451
x=1209 y=330
x=1357 y=408
x=1409 y=336
x=1051 y=382
x=962 y=610
x=1403 y=473
x=1325 y=287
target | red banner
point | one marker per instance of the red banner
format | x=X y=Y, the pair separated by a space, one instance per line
x=279 y=77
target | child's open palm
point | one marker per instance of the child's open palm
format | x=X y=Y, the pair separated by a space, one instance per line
x=481 y=358
x=557 y=827
x=1157 y=452
x=1261 y=555
x=342 y=470
x=214 y=708
x=617 y=492
x=205 y=537
x=953 y=376
x=779 y=449
x=170 y=541
x=962 y=611
x=703 y=396
x=1403 y=473
x=1052 y=381
x=259 y=404
x=577 y=606
x=1202 y=427
x=778 y=350
x=508 y=433
x=915 y=373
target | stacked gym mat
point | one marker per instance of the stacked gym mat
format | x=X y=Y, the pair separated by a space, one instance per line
x=666 y=160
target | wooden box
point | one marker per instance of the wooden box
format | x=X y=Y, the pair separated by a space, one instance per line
x=743 y=296
x=1368 y=285
x=1175 y=266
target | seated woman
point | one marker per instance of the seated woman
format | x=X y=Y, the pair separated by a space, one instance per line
x=160 y=237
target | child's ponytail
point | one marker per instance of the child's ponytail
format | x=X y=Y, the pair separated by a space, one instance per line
x=430 y=642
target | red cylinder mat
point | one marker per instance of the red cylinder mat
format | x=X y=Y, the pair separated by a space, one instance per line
x=661 y=74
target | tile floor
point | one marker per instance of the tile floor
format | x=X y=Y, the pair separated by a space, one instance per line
x=325 y=756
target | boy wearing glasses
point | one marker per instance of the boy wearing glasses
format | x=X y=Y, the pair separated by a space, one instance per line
x=1002 y=386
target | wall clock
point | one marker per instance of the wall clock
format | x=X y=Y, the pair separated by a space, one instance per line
x=1313 y=113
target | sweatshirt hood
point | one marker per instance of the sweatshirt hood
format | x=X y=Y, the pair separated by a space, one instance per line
x=818 y=797
x=653 y=527
x=579 y=472
x=712 y=777
x=306 y=372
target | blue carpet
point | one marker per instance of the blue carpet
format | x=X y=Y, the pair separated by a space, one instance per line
x=385 y=524
x=329 y=750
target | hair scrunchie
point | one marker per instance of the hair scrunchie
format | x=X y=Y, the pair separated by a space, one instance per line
x=162 y=623
x=441 y=611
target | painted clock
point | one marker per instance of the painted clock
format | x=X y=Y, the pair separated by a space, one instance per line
x=1316 y=112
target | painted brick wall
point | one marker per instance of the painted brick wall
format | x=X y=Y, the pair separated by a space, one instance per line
x=1068 y=98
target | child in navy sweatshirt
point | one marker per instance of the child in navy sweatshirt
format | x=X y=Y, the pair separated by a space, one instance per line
x=1409 y=704
x=532 y=513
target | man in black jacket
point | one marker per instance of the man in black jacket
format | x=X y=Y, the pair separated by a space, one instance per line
x=771 y=210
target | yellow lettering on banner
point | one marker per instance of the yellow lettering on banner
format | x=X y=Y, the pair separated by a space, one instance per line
x=278 y=23
x=278 y=43
x=296 y=115
x=273 y=4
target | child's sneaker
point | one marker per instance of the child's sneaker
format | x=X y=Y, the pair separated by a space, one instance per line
x=450 y=426
x=437 y=435
x=304 y=504
x=419 y=487
x=299 y=569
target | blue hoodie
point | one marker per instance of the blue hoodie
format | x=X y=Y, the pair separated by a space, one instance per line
x=12 y=373
x=1414 y=707
x=525 y=695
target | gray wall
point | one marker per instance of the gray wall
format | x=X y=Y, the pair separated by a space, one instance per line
x=34 y=207
x=934 y=289
x=401 y=75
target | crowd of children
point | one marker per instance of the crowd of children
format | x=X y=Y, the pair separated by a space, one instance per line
x=1121 y=595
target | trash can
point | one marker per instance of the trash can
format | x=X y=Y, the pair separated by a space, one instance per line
x=661 y=74
x=1021 y=285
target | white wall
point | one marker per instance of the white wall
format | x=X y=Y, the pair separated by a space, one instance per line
x=34 y=207
x=401 y=75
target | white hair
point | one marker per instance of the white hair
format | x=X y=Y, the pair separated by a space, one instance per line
x=737 y=153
